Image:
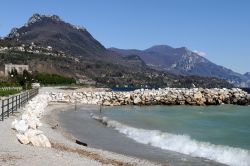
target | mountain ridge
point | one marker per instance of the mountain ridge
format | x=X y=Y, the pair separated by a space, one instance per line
x=183 y=61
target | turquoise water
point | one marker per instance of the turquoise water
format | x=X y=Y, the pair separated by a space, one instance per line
x=222 y=125
x=219 y=133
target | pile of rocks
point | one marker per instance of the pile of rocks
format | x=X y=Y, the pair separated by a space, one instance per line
x=28 y=124
x=167 y=96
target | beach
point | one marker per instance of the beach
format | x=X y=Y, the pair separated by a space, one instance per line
x=63 y=151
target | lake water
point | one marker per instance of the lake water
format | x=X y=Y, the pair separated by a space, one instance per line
x=182 y=135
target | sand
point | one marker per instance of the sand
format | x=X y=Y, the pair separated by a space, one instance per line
x=64 y=150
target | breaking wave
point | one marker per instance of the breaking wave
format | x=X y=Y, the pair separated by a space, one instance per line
x=181 y=143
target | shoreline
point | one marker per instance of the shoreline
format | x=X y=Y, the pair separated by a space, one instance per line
x=142 y=151
x=65 y=141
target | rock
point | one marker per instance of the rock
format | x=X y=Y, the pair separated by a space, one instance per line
x=127 y=95
x=44 y=141
x=235 y=100
x=13 y=124
x=198 y=95
x=188 y=100
x=106 y=103
x=21 y=126
x=22 y=139
x=210 y=101
x=40 y=141
x=157 y=98
x=31 y=133
x=35 y=141
x=33 y=122
x=182 y=102
x=137 y=100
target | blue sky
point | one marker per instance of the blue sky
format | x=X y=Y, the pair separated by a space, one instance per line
x=218 y=28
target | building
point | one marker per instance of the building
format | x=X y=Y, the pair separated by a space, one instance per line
x=1 y=74
x=19 y=68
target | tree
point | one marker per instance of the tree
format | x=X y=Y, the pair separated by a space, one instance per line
x=13 y=73
x=27 y=76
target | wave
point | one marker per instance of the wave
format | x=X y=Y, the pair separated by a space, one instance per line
x=181 y=143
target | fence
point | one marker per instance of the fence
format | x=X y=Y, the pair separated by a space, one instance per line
x=11 y=104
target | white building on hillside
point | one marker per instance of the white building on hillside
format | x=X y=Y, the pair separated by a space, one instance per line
x=19 y=68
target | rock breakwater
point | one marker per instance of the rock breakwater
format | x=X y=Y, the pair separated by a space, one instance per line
x=27 y=126
x=166 y=96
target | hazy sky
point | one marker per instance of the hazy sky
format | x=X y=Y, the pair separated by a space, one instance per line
x=220 y=29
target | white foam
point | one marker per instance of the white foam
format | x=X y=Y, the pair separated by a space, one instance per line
x=181 y=143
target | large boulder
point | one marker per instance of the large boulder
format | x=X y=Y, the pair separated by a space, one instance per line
x=22 y=139
x=31 y=133
x=44 y=141
x=137 y=100
x=198 y=95
x=21 y=126
x=35 y=141
x=158 y=98
x=40 y=141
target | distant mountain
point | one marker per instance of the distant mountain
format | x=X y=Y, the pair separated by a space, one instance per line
x=184 y=62
x=48 y=44
x=247 y=75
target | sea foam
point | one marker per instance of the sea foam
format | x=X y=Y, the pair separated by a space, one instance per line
x=181 y=143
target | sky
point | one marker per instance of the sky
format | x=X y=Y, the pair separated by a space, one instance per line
x=217 y=29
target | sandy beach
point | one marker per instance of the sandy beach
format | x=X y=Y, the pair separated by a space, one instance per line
x=64 y=150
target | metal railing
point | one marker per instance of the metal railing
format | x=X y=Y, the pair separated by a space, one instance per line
x=11 y=104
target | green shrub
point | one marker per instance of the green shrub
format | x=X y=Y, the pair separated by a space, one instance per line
x=8 y=92
x=53 y=79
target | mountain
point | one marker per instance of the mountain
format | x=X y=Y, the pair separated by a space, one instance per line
x=247 y=75
x=52 y=31
x=48 y=44
x=182 y=61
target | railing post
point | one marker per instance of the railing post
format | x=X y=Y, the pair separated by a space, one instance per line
x=19 y=100
x=2 y=110
x=16 y=103
x=8 y=107
x=27 y=96
x=12 y=105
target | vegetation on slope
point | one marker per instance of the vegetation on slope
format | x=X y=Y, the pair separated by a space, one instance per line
x=53 y=79
x=105 y=74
